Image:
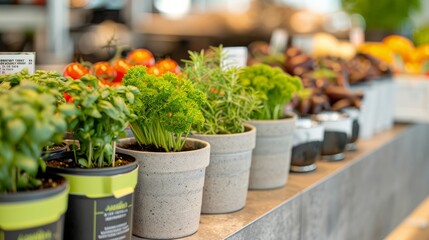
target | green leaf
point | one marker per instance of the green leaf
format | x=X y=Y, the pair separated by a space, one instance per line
x=119 y=103
x=105 y=93
x=7 y=152
x=93 y=112
x=108 y=109
x=130 y=97
x=26 y=163
x=83 y=162
x=40 y=132
x=68 y=109
x=90 y=99
x=16 y=129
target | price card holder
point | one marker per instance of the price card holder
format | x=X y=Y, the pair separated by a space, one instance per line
x=234 y=57
x=12 y=62
x=278 y=41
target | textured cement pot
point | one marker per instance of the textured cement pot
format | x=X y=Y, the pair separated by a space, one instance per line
x=169 y=191
x=272 y=154
x=227 y=176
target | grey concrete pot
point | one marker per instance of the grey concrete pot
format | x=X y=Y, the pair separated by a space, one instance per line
x=169 y=191
x=227 y=176
x=272 y=154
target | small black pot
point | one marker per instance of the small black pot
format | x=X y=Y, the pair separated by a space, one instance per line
x=100 y=200
x=307 y=143
x=338 y=129
x=354 y=114
x=37 y=214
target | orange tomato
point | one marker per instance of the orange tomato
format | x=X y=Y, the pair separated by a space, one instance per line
x=121 y=67
x=141 y=57
x=75 y=70
x=168 y=65
x=154 y=70
x=104 y=72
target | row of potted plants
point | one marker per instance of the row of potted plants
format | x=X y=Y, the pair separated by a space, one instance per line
x=201 y=140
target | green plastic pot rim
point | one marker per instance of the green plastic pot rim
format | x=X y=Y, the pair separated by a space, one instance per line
x=117 y=185
x=31 y=213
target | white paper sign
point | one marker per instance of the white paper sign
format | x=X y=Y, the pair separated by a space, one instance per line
x=12 y=62
x=235 y=57
x=278 y=41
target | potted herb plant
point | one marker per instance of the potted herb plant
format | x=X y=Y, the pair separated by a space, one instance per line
x=32 y=204
x=171 y=177
x=272 y=154
x=226 y=111
x=101 y=182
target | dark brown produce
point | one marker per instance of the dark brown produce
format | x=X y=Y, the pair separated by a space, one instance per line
x=364 y=67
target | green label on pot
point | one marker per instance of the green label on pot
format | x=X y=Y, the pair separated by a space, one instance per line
x=101 y=218
x=52 y=231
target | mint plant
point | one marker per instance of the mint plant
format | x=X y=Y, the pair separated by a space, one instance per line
x=166 y=108
x=274 y=87
x=228 y=104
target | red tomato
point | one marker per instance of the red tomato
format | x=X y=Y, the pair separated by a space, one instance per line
x=121 y=67
x=68 y=98
x=141 y=57
x=168 y=65
x=75 y=70
x=104 y=72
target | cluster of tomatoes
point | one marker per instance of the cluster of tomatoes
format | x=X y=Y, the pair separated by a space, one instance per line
x=111 y=73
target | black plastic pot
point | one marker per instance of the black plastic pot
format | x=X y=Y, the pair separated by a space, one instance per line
x=307 y=144
x=35 y=214
x=338 y=129
x=100 y=201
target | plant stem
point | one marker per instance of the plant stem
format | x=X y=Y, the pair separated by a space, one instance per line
x=113 y=154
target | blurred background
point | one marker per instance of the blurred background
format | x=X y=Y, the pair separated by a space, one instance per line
x=60 y=31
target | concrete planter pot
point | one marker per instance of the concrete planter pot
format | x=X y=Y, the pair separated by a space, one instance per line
x=272 y=154
x=169 y=191
x=227 y=176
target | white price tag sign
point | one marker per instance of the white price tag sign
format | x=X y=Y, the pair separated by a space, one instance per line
x=278 y=41
x=235 y=57
x=12 y=62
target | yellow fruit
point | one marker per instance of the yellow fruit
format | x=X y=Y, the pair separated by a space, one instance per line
x=413 y=67
x=423 y=52
x=378 y=50
x=399 y=44
x=413 y=56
